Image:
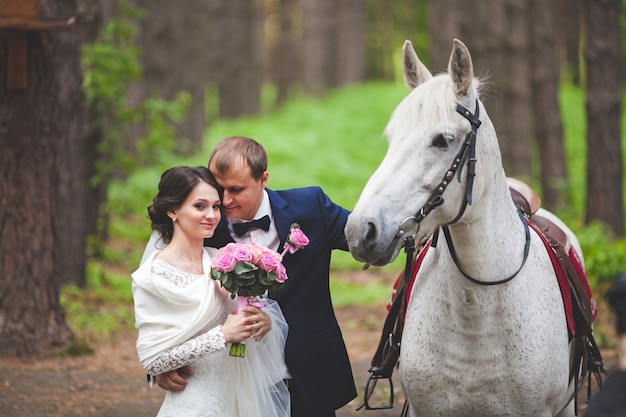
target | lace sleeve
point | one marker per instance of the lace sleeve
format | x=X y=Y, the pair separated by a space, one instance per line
x=187 y=352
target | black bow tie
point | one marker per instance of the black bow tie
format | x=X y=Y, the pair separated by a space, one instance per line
x=262 y=223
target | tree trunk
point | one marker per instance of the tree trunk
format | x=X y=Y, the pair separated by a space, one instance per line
x=239 y=63
x=319 y=45
x=545 y=101
x=285 y=60
x=78 y=201
x=351 y=42
x=569 y=13
x=36 y=124
x=515 y=116
x=604 y=153
x=444 y=24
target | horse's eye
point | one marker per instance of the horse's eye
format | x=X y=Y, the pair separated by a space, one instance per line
x=441 y=141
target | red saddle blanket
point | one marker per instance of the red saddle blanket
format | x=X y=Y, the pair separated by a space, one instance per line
x=559 y=270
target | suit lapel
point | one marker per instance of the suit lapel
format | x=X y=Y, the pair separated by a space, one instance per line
x=283 y=216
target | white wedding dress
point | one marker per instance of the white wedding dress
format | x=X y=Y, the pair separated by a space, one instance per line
x=178 y=317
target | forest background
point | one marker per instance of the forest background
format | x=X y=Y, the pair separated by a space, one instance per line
x=111 y=93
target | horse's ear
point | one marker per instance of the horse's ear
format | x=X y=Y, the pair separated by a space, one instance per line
x=413 y=70
x=460 y=67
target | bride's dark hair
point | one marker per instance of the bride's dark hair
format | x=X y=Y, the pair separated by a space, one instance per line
x=174 y=188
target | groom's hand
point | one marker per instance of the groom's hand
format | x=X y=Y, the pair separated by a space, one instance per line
x=174 y=380
x=259 y=323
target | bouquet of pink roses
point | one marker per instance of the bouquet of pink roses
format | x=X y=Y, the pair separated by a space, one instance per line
x=248 y=270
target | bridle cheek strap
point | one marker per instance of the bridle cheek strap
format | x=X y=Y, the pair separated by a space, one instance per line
x=466 y=155
x=469 y=157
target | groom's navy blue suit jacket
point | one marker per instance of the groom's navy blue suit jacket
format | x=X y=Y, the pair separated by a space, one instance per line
x=315 y=352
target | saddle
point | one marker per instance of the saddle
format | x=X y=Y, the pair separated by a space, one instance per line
x=580 y=307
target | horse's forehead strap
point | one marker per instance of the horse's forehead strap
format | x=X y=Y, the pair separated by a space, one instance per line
x=473 y=118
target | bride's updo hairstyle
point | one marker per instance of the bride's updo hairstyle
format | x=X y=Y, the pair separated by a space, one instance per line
x=175 y=186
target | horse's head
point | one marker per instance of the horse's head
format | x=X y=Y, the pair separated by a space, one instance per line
x=425 y=134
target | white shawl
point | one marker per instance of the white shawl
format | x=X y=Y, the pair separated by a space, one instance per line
x=167 y=315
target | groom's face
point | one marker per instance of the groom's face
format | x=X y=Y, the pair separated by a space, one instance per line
x=243 y=194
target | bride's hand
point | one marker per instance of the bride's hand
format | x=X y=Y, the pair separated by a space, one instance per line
x=258 y=321
x=235 y=329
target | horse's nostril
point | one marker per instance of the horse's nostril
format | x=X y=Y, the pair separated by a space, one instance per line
x=371 y=232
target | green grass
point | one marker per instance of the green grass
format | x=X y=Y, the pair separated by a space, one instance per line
x=103 y=307
x=347 y=293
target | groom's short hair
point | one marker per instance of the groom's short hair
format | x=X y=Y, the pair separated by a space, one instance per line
x=235 y=148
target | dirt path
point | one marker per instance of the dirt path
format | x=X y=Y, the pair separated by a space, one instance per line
x=110 y=383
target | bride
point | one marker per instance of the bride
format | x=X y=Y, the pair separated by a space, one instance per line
x=184 y=318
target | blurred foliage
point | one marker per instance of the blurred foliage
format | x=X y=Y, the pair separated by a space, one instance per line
x=103 y=307
x=110 y=66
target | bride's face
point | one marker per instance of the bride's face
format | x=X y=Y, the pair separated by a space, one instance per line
x=199 y=214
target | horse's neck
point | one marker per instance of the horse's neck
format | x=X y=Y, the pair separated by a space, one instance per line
x=490 y=235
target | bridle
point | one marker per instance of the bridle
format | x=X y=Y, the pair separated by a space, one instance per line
x=465 y=156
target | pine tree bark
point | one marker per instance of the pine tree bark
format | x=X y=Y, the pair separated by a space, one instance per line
x=351 y=42
x=236 y=56
x=319 y=45
x=605 y=198
x=515 y=120
x=548 y=128
x=444 y=23
x=285 y=61
x=37 y=123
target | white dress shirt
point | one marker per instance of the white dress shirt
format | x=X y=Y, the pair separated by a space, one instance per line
x=268 y=239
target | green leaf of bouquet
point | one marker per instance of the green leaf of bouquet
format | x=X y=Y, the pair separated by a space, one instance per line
x=244 y=267
x=244 y=282
x=267 y=278
x=247 y=276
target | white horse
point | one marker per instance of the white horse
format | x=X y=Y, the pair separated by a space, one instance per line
x=487 y=335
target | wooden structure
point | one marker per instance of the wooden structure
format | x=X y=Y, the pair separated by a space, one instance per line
x=17 y=18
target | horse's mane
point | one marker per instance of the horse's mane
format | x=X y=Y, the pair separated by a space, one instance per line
x=439 y=95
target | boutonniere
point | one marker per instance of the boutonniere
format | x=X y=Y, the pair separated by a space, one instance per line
x=296 y=239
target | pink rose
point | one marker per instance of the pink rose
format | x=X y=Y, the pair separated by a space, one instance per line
x=297 y=238
x=242 y=254
x=224 y=262
x=269 y=261
x=281 y=273
x=256 y=251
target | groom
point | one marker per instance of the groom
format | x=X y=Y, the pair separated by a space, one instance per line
x=321 y=378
